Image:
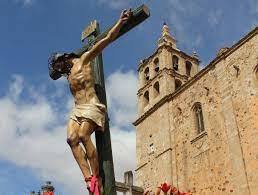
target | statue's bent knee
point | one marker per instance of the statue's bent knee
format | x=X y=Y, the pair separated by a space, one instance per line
x=72 y=141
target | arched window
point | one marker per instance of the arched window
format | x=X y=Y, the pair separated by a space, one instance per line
x=178 y=84
x=146 y=98
x=188 y=67
x=175 y=62
x=156 y=65
x=197 y=109
x=256 y=72
x=156 y=89
x=147 y=74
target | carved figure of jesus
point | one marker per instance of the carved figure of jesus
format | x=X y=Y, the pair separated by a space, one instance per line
x=88 y=114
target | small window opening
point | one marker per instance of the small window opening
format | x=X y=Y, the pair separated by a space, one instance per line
x=156 y=89
x=178 y=84
x=188 y=67
x=147 y=74
x=156 y=65
x=198 y=117
x=175 y=62
x=146 y=98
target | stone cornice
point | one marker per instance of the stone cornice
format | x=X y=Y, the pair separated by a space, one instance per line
x=199 y=136
x=197 y=76
x=157 y=156
x=183 y=54
x=176 y=74
x=138 y=168
x=163 y=152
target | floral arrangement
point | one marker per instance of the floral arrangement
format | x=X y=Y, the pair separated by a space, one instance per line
x=167 y=190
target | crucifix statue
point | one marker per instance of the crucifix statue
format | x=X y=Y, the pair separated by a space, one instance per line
x=90 y=113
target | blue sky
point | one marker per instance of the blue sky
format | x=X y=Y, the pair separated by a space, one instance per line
x=34 y=108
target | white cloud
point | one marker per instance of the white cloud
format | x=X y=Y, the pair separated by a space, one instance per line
x=186 y=7
x=198 y=41
x=215 y=17
x=25 y=2
x=38 y=136
x=17 y=86
x=122 y=104
x=116 y=4
x=36 y=144
x=253 y=6
x=123 y=146
x=121 y=96
x=28 y=2
x=179 y=18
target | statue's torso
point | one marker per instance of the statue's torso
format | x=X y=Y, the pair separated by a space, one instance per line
x=81 y=81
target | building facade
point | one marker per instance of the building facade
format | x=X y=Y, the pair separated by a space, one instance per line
x=198 y=129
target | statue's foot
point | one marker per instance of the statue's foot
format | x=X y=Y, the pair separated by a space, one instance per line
x=93 y=185
x=88 y=182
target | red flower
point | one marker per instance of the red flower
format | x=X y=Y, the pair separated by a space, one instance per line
x=48 y=193
x=165 y=187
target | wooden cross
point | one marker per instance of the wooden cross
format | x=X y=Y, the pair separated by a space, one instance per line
x=103 y=142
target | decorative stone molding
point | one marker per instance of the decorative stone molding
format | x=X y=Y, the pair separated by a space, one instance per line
x=199 y=136
x=163 y=152
x=222 y=50
x=141 y=166
x=200 y=144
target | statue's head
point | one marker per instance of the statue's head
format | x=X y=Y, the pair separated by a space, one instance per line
x=59 y=64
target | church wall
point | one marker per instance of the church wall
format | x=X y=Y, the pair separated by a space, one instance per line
x=153 y=143
x=212 y=162
x=240 y=72
x=223 y=158
x=194 y=155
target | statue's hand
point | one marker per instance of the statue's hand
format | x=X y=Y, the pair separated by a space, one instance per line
x=125 y=16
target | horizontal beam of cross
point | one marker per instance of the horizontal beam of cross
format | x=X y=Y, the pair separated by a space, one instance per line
x=122 y=187
x=138 y=15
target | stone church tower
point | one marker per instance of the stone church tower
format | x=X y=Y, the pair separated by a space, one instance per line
x=164 y=71
x=197 y=129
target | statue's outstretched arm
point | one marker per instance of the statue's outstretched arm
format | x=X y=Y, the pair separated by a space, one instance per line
x=112 y=34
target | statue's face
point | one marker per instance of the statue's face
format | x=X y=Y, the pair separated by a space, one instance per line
x=62 y=66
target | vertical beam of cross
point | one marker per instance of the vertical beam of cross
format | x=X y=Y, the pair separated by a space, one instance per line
x=103 y=141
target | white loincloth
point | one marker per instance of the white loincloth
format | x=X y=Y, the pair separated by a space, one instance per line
x=95 y=112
